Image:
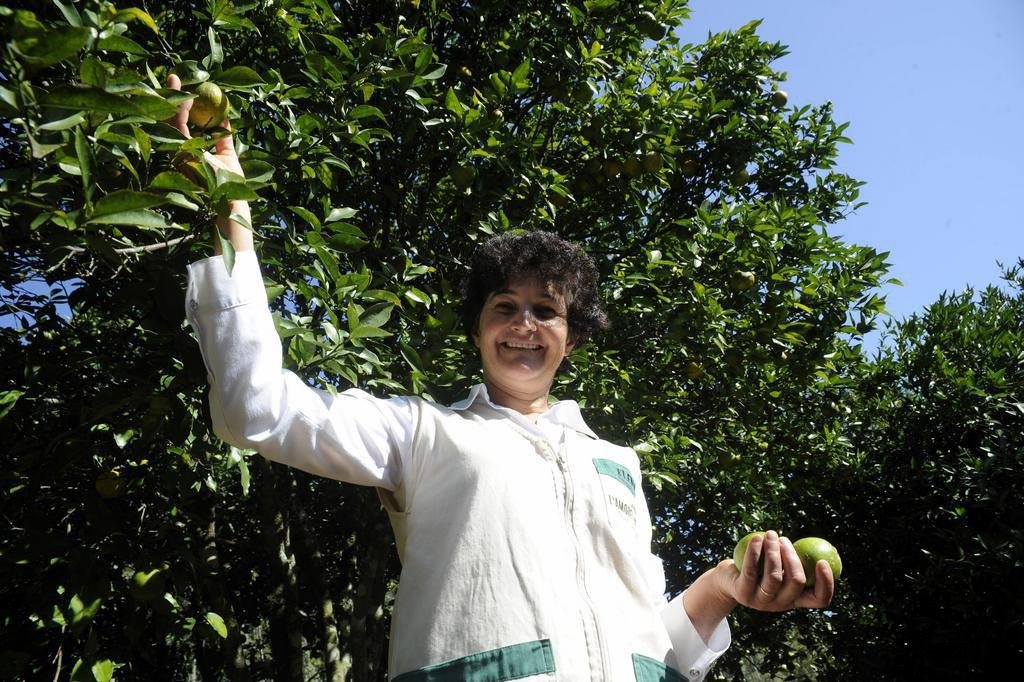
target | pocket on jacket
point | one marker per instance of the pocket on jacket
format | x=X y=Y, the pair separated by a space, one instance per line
x=647 y=669
x=497 y=665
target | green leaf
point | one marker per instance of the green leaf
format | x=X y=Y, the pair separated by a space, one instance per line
x=71 y=14
x=365 y=110
x=345 y=236
x=129 y=13
x=239 y=76
x=190 y=72
x=233 y=191
x=365 y=331
x=216 y=51
x=137 y=218
x=84 y=161
x=339 y=214
x=173 y=180
x=412 y=358
x=227 y=251
x=155 y=107
x=452 y=103
x=256 y=171
x=125 y=200
x=145 y=144
x=39 y=48
x=64 y=123
x=436 y=73
x=417 y=296
x=119 y=43
x=377 y=316
x=217 y=623
x=306 y=215
x=89 y=98
x=103 y=670
x=7 y=401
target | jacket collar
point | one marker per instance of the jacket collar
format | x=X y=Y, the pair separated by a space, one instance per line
x=563 y=412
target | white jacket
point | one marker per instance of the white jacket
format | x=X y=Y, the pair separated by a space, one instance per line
x=525 y=547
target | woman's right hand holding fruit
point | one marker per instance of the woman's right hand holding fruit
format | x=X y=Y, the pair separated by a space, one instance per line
x=223 y=157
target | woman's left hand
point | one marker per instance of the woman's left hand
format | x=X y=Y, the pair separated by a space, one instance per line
x=781 y=584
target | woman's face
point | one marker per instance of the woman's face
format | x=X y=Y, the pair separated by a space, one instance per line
x=523 y=335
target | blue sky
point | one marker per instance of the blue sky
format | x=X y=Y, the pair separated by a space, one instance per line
x=934 y=93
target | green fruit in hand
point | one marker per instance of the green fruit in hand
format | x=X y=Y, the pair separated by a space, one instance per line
x=813 y=550
x=209 y=107
x=147 y=586
x=741 y=548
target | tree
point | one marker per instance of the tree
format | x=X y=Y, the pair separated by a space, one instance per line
x=381 y=142
x=937 y=431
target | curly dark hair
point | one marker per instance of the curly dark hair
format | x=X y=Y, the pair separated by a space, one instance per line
x=546 y=257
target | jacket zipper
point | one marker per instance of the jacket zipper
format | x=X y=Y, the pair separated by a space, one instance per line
x=581 y=576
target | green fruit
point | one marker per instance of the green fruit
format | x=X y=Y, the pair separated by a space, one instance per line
x=582 y=93
x=690 y=167
x=147 y=586
x=651 y=27
x=728 y=460
x=463 y=175
x=110 y=484
x=742 y=280
x=632 y=168
x=592 y=133
x=779 y=98
x=209 y=107
x=741 y=548
x=612 y=168
x=740 y=177
x=813 y=550
x=558 y=200
x=594 y=167
x=694 y=370
x=652 y=162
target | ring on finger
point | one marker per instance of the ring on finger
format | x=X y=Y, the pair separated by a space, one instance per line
x=770 y=595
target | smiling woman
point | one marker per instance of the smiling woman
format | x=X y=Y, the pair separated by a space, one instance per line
x=525 y=540
x=529 y=300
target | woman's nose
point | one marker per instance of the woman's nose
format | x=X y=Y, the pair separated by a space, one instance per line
x=525 y=319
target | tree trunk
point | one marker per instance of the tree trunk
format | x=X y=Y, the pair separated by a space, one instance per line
x=311 y=563
x=213 y=585
x=285 y=620
x=368 y=625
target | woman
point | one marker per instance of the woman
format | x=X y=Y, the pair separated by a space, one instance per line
x=524 y=538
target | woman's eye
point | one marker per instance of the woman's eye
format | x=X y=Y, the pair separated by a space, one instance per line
x=504 y=307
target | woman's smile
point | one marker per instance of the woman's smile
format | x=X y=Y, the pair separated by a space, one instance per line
x=523 y=336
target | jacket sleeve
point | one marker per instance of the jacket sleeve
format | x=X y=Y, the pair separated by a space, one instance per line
x=694 y=656
x=255 y=403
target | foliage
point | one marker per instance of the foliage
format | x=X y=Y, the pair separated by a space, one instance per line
x=938 y=434
x=380 y=142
